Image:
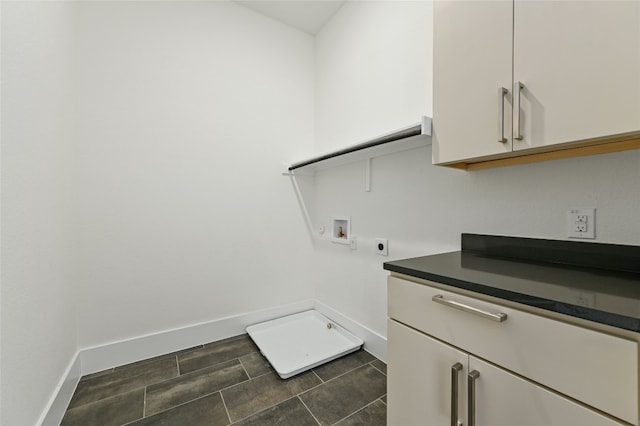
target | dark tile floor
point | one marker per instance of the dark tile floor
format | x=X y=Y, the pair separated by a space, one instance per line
x=229 y=383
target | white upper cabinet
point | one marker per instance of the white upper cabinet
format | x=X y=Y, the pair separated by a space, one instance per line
x=472 y=60
x=571 y=70
x=579 y=63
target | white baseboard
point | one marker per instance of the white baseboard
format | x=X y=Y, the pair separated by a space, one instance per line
x=374 y=343
x=98 y=358
x=52 y=415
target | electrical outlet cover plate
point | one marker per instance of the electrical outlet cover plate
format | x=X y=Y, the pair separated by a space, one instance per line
x=581 y=223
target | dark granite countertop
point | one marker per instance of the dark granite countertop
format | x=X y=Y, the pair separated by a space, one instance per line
x=560 y=283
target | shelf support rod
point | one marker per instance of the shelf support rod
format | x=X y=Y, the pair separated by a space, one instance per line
x=305 y=213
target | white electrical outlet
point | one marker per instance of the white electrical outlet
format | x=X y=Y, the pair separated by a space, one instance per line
x=382 y=246
x=581 y=223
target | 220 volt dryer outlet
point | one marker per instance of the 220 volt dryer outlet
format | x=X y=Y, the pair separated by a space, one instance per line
x=382 y=246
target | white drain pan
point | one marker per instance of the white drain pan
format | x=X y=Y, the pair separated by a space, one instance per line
x=299 y=342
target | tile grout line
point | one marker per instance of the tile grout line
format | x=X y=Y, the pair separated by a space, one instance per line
x=340 y=375
x=222 y=362
x=249 y=379
x=153 y=359
x=371 y=364
x=174 y=406
x=244 y=368
x=239 y=383
x=211 y=393
x=272 y=405
x=183 y=352
x=208 y=394
x=358 y=410
x=106 y=397
x=224 y=404
x=230 y=386
x=144 y=403
x=311 y=388
x=322 y=382
x=209 y=366
x=156 y=359
x=260 y=411
x=316 y=374
x=185 y=402
x=309 y=410
x=333 y=378
x=252 y=378
x=120 y=393
x=127 y=378
x=266 y=408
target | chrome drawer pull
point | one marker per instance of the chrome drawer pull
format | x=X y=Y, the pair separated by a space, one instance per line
x=471 y=397
x=517 y=88
x=455 y=369
x=499 y=317
x=501 y=92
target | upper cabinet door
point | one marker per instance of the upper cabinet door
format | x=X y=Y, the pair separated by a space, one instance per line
x=472 y=61
x=579 y=64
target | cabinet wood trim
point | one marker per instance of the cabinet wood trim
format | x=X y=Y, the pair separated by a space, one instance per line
x=600 y=146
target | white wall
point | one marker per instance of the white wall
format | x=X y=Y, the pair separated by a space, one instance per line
x=175 y=212
x=373 y=76
x=188 y=112
x=423 y=209
x=142 y=145
x=38 y=247
x=373 y=71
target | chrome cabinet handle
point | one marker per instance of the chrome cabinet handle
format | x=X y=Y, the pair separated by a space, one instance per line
x=517 y=88
x=471 y=397
x=499 y=317
x=455 y=369
x=501 y=92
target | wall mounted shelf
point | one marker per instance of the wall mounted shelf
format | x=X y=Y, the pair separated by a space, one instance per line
x=400 y=140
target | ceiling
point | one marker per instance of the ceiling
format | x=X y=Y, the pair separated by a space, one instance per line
x=306 y=15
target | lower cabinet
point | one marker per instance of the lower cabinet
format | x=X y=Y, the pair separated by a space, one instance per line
x=431 y=383
x=419 y=378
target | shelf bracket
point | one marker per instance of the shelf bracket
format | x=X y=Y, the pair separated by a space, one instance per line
x=367 y=175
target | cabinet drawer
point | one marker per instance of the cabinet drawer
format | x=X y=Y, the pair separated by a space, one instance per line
x=593 y=367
